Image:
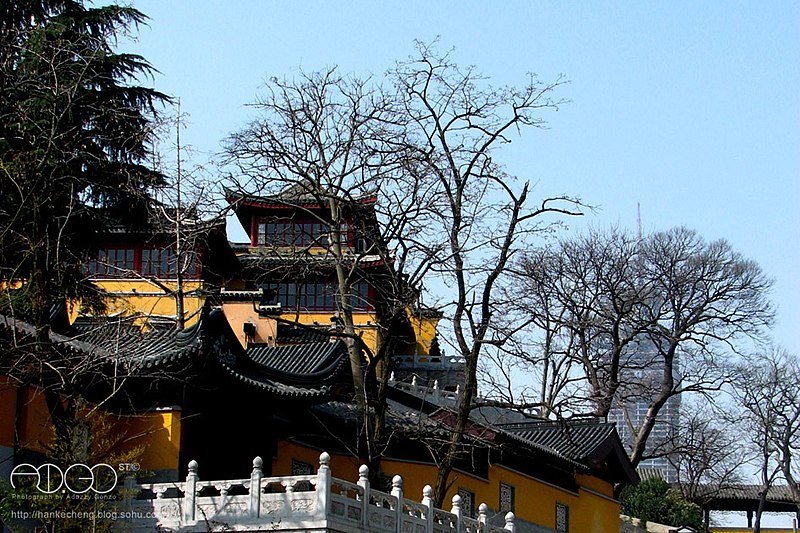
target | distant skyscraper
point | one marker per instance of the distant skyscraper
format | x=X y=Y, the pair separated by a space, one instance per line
x=642 y=372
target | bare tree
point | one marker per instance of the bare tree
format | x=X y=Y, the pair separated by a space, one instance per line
x=332 y=149
x=444 y=211
x=645 y=320
x=768 y=396
x=482 y=216
x=705 y=452
x=585 y=316
x=709 y=299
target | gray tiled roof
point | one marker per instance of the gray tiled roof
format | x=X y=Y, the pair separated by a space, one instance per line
x=591 y=444
x=309 y=370
x=576 y=440
x=276 y=387
x=269 y=259
x=776 y=493
x=399 y=418
x=294 y=194
x=306 y=362
x=118 y=339
x=121 y=339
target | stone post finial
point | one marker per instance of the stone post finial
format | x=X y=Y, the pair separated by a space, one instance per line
x=483 y=510
x=325 y=460
x=323 y=486
x=363 y=482
x=397 y=492
x=456 y=509
x=510 y=519
x=427 y=501
x=190 y=492
x=255 y=487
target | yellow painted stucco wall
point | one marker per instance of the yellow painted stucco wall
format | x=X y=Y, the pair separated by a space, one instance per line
x=424 y=331
x=238 y=313
x=35 y=430
x=140 y=296
x=364 y=324
x=8 y=406
x=158 y=433
x=591 y=509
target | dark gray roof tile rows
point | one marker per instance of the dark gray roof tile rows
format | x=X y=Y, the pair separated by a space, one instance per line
x=576 y=440
x=776 y=493
x=276 y=387
x=299 y=362
x=121 y=341
x=308 y=370
x=305 y=194
x=272 y=259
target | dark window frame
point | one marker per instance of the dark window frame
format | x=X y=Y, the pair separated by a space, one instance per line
x=319 y=295
x=512 y=495
x=565 y=527
x=149 y=261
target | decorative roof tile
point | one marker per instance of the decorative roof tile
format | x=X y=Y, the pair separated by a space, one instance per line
x=303 y=370
x=120 y=340
x=298 y=194
x=299 y=363
x=576 y=440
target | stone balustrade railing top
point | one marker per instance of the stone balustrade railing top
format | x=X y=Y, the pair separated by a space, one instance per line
x=313 y=502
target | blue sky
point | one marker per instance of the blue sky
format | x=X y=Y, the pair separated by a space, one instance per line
x=689 y=109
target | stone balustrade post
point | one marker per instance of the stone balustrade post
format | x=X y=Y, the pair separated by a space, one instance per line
x=363 y=482
x=483 y=520
x=456 y=510
x=255 y=487
x=397 y=492
x=510 y=519
x=190 y=492
x=323 y=488
x=427 y=501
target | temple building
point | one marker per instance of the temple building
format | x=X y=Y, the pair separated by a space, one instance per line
x=261 y=369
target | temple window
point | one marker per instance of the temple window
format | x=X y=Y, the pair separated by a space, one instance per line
x=317 y=296
x=148 y=261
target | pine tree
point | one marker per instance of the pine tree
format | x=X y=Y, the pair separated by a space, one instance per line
x=76 y=131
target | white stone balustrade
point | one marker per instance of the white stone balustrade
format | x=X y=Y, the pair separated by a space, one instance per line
x=289 y=503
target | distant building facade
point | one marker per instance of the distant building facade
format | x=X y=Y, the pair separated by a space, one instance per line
x=641 y=373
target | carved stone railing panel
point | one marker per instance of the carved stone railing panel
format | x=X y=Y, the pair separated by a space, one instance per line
x=346 y=501
x=382 y=511
x=444 y=522
x=308 y=502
